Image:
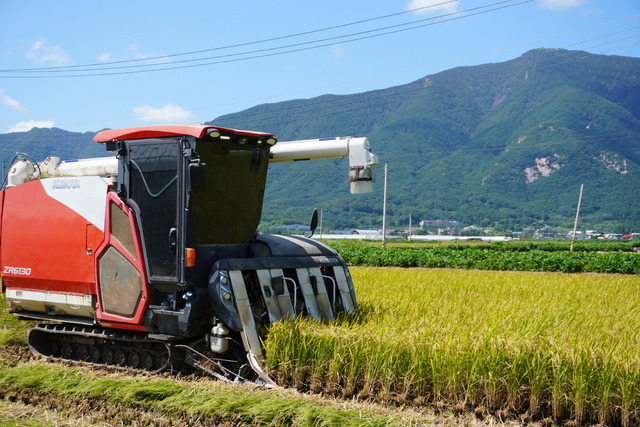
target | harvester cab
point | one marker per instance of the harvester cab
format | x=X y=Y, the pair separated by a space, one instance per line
x=161 y=263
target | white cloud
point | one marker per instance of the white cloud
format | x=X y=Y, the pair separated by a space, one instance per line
x=41 y=52
x=167 y=114
x=338 y=51
x=105 y=57
x=433 y=6
x=559 y=4
x=30 y=124
x=7 y=101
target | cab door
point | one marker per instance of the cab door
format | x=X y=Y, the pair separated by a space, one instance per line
x=153 y=189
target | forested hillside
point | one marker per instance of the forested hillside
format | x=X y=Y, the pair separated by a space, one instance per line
x=42 y=143
x=504 y=145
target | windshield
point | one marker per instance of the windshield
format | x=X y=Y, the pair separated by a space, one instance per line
x=153 y=188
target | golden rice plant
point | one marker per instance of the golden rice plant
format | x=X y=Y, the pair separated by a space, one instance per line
x=565 y=346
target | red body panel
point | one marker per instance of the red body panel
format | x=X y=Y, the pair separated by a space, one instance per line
x=125 y=326
x=46 y=243
x=197 y=131
x=136 y=259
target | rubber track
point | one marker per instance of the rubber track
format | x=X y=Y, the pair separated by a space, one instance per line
x=95 y=345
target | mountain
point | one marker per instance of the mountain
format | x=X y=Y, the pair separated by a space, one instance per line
x=40 y=143
x=504 y=145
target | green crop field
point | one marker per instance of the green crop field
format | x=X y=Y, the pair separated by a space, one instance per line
x=592 y=257
x=562 y=347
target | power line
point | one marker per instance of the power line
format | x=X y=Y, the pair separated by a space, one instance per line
x=101 y=64
x=293 y=48
x=470 y=56
x=412 y=69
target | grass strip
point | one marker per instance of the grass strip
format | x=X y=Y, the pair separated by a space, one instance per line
x=210 y=399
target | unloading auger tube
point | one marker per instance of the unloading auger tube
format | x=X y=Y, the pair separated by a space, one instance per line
x=161 y=265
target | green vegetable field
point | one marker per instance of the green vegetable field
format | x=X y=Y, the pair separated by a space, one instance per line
x=519 y=256
x=529 y=345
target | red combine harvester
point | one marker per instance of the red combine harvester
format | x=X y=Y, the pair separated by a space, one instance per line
x=150 y=258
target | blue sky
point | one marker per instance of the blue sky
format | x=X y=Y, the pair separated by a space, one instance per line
x=84 y=66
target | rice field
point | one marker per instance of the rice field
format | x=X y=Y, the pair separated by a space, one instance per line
x=531 y=346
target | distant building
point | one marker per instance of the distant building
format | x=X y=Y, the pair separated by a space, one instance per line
x=438 y=223
x=544 y=235
x=580 y=235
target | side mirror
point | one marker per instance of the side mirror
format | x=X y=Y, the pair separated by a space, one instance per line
x=314 y=222
x=198 y=174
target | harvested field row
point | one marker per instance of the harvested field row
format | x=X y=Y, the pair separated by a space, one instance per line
x=40 y=409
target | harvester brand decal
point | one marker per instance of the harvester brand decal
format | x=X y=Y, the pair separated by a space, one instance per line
x=64 y=184
x=86 y=195
x=22 y=271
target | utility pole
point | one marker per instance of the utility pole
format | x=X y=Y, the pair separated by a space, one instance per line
x=321 y=229
x=409 y=228
x=384 y=209
x=575 y=224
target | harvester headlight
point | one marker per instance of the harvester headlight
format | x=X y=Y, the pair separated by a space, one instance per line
x=225 y=288
x=272 y=141
x=214 y=133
